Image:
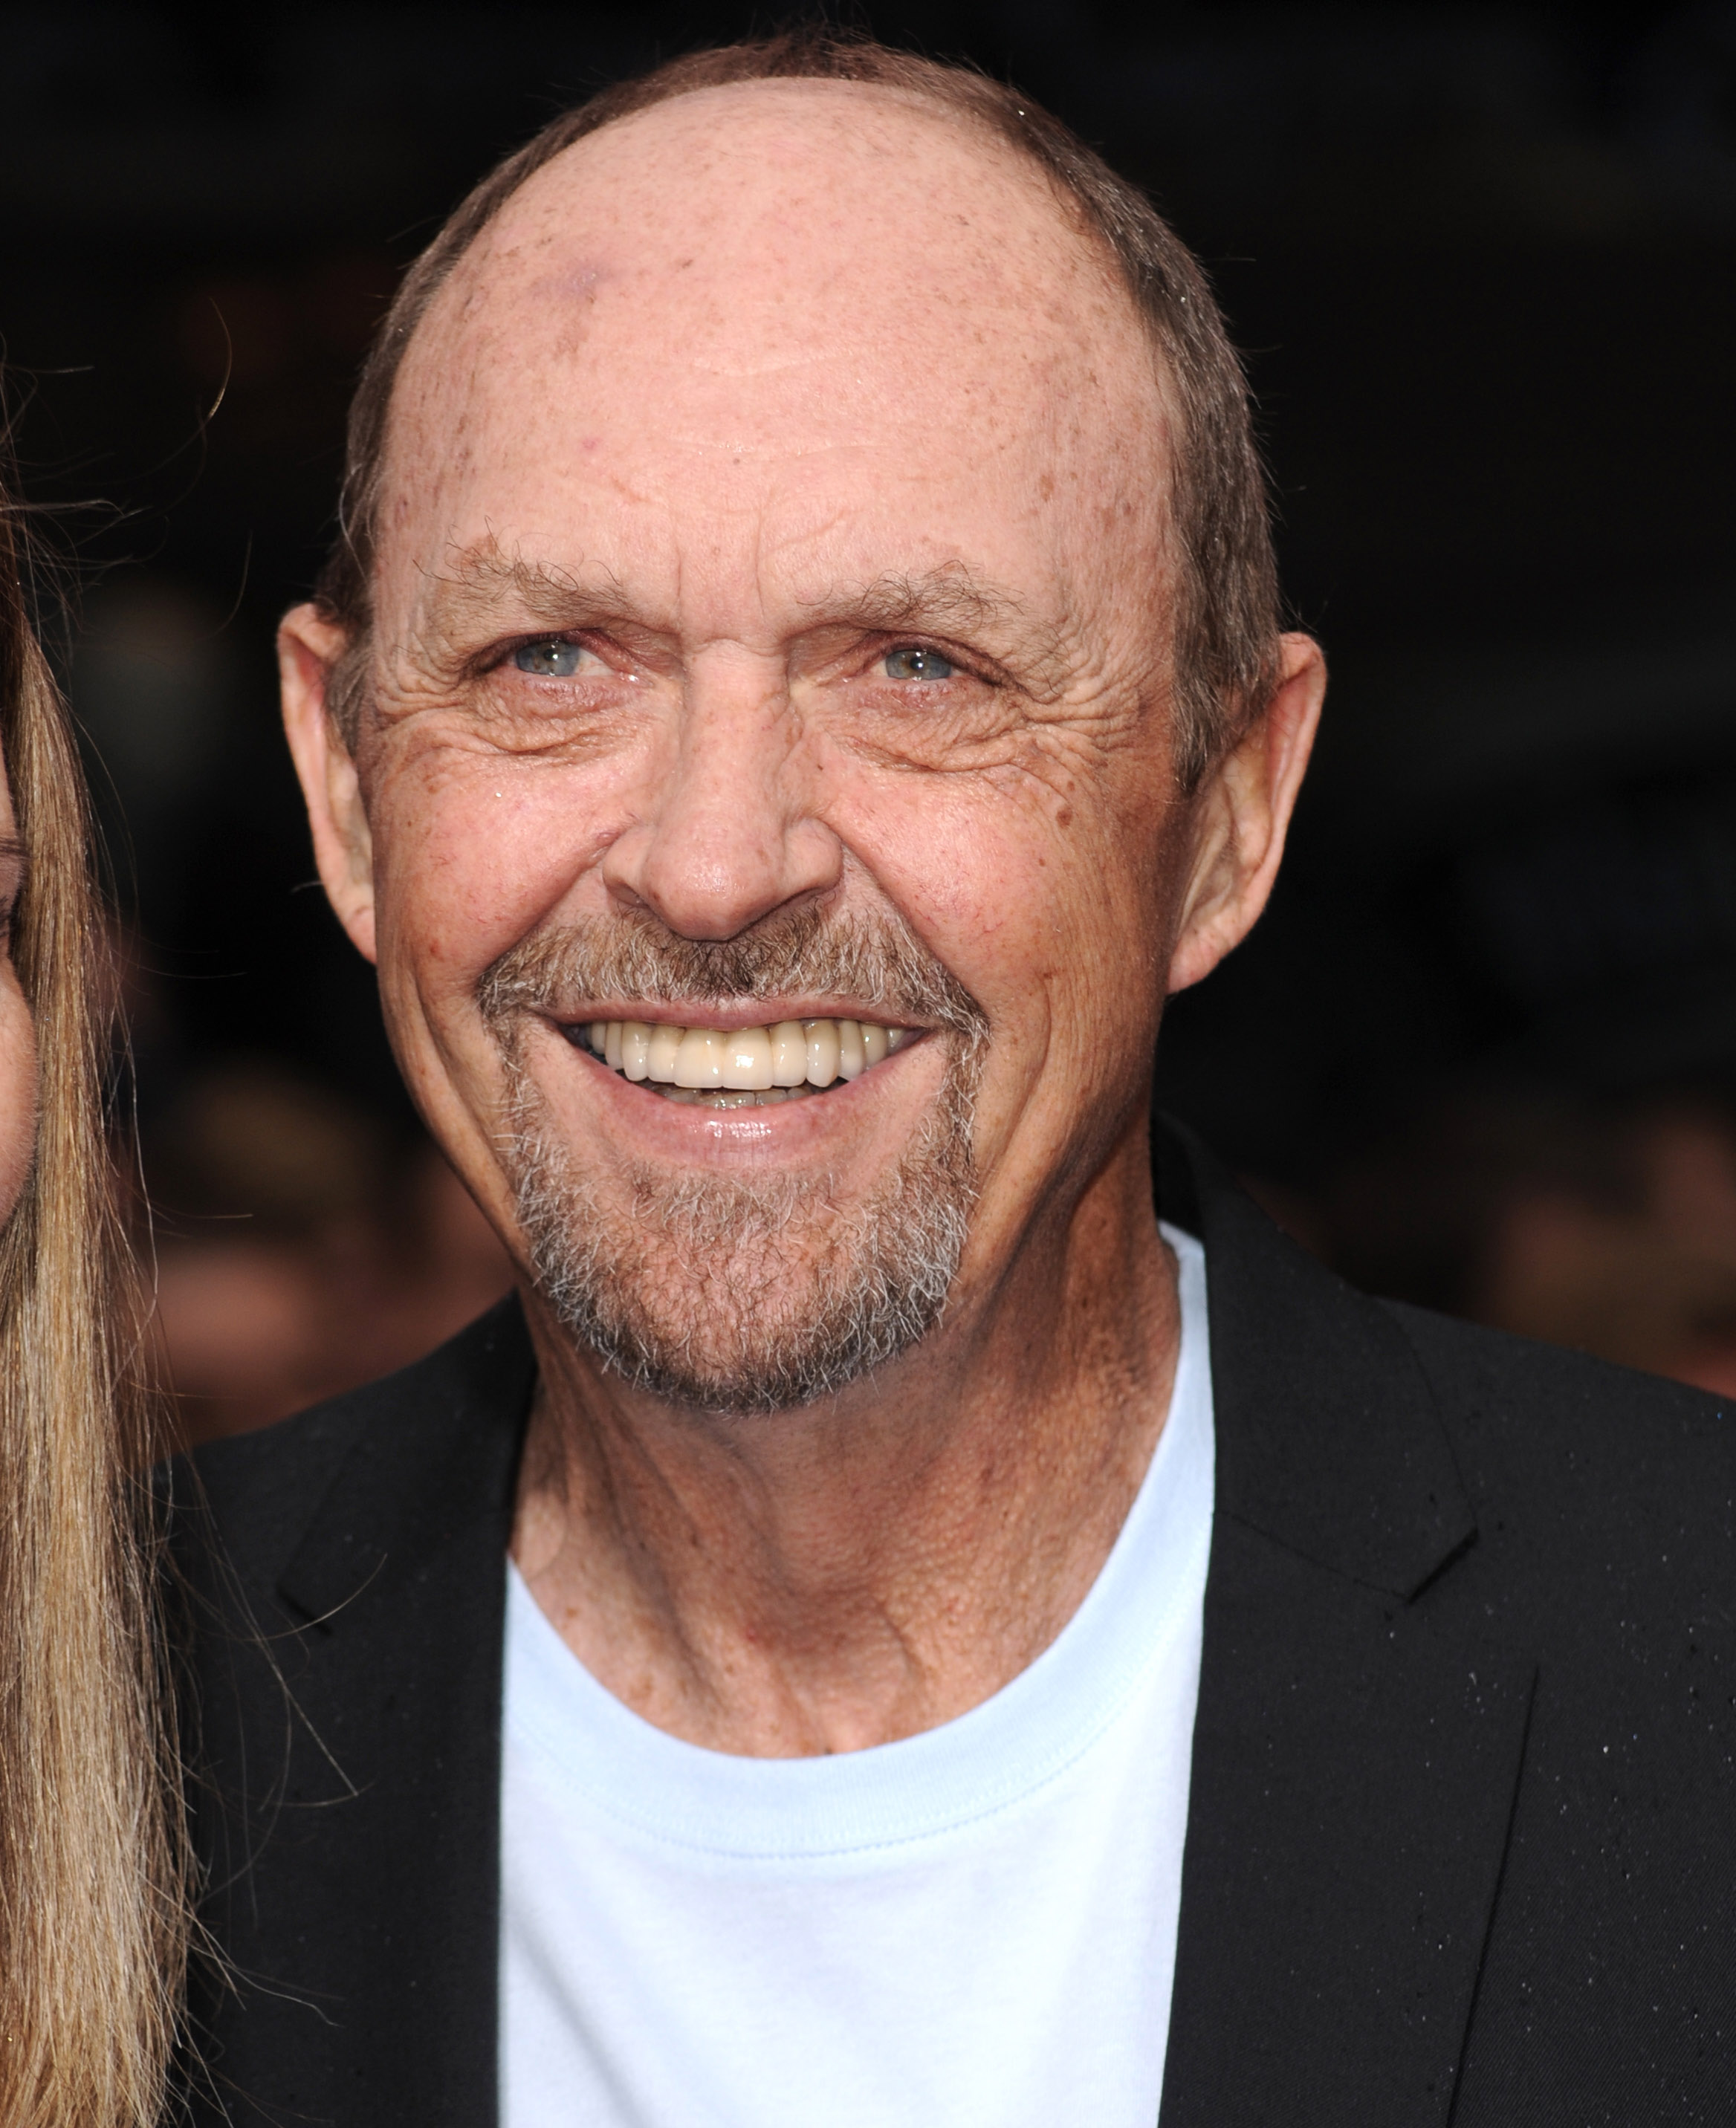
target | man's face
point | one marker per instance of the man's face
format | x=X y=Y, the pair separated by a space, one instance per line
x=773 y=615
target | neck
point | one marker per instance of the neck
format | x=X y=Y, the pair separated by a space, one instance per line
x=864 y=1569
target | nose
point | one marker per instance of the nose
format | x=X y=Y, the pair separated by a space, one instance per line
x=727 y=835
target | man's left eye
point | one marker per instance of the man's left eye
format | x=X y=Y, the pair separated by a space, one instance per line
x=554 y=658
x=913 y=664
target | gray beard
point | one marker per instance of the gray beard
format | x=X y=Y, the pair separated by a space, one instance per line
x=742 y=1293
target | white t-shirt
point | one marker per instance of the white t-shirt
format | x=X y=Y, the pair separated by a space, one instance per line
x=972 y=1926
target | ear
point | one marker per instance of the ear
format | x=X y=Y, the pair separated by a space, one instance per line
x=308 y=649
x=1242 y=815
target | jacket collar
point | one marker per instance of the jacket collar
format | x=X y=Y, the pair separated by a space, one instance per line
x=1329 y=1439
x=1355 y=1763
x=437 y=1457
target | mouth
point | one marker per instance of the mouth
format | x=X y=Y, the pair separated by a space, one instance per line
x=791 y=1060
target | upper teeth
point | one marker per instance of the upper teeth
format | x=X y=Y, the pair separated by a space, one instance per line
x=794 y=1052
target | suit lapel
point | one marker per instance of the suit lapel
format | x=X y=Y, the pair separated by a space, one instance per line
x=1353 y=1768
x=1352 y=1783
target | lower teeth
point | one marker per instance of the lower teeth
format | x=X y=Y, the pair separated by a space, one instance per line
x=730 y=1098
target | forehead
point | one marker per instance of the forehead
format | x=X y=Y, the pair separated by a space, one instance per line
x=801 y=301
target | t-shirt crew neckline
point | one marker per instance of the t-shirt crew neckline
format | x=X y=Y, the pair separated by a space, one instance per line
x=894 y=1796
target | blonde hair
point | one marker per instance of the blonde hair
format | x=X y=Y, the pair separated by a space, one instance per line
x=92 y=1920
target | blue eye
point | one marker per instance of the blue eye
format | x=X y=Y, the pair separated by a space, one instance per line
x=913 y=664
x=554 y=659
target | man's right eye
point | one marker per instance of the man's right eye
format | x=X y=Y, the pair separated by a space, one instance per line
x=553 y=658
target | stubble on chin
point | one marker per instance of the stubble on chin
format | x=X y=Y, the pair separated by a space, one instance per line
x=739 y=1294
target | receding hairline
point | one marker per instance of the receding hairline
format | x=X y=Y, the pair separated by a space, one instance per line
x=913 y=100
x=927 y=106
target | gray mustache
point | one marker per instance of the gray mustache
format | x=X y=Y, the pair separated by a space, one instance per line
x=803 y=952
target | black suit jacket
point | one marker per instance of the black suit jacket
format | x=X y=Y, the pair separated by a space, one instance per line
x=1461 y=1830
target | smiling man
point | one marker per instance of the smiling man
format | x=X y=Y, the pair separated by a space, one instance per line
x=891 y=1625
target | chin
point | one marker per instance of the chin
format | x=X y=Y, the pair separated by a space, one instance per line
x=736 y=1294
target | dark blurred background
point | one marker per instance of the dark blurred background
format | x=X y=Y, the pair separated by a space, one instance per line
x=1482 y=1051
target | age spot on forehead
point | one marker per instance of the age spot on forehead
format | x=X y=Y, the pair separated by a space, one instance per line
x=580 y=282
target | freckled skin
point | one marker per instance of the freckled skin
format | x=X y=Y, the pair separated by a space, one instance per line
x=738 y=396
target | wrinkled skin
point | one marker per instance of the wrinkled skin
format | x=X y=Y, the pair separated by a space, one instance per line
x=739 y=396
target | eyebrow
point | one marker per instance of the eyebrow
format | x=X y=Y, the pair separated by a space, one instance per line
x=468 y=596
x=946 y=597
x=948 y=601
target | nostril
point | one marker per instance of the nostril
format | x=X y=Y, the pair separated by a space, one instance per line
x=708 y=865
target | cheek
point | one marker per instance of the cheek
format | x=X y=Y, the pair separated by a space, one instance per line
x=470 y=855
x=1037 y=899
x=17 y=1091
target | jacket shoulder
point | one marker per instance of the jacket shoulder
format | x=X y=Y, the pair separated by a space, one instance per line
x=260 y=1492
x=1481 y=1372
x=1603 y=1468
